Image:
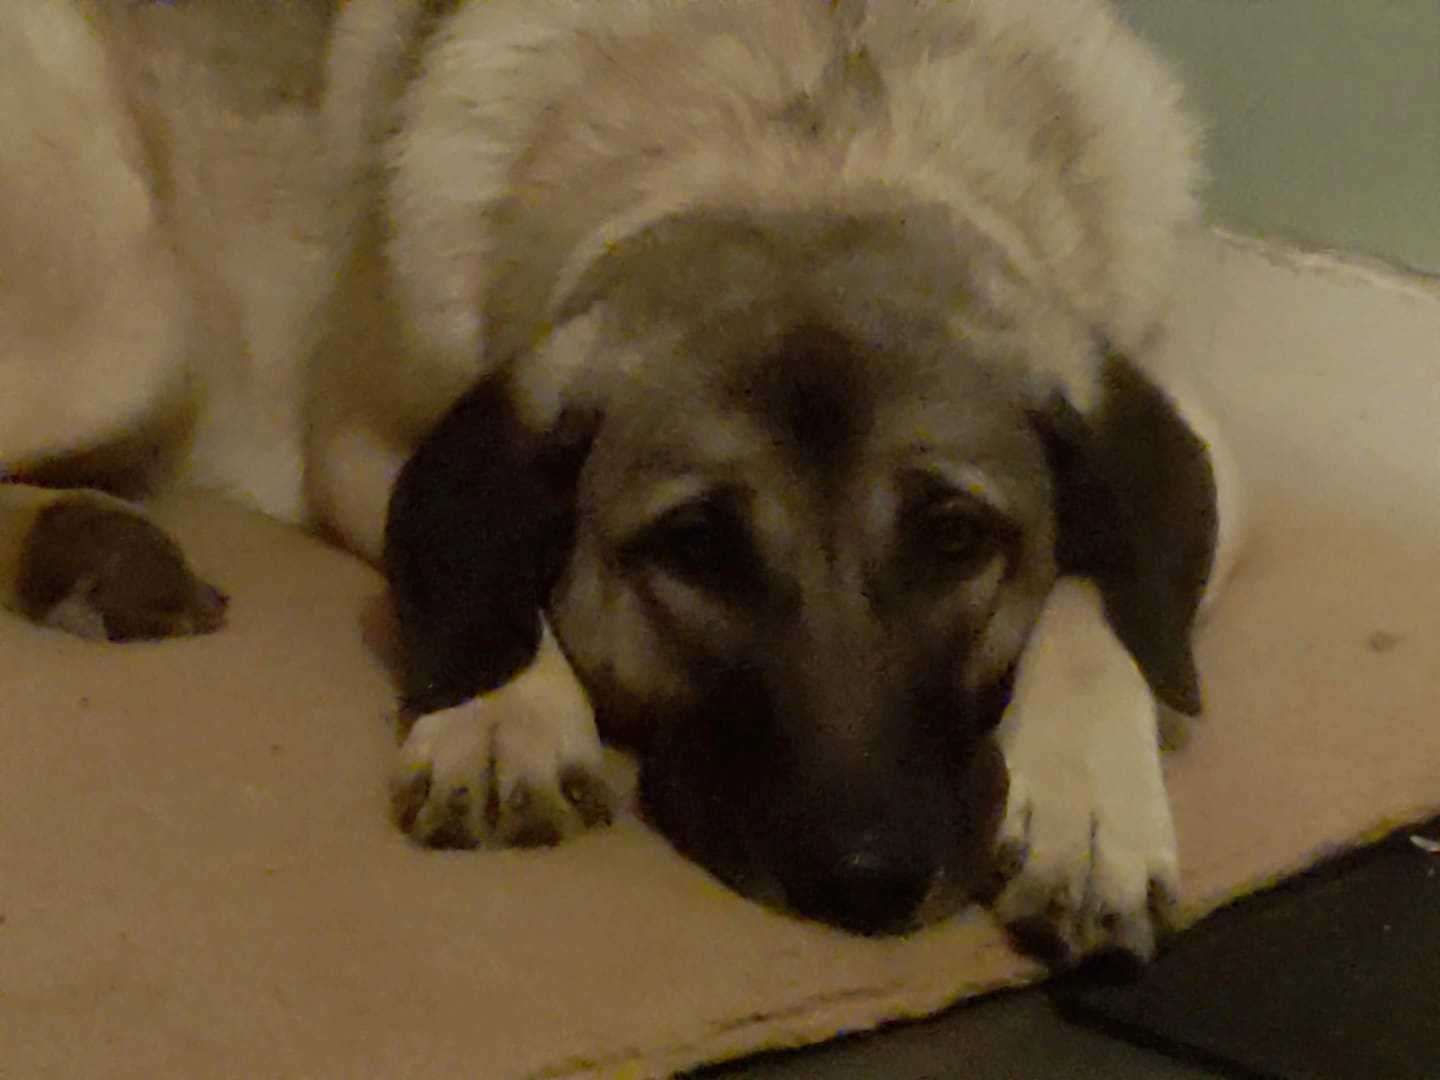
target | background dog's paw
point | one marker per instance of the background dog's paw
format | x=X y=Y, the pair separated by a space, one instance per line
x=100 y=570
x=1088 y=876
x=503 y=770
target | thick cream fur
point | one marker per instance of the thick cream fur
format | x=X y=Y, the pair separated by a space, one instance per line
x=1051 y=129
x=179 y=203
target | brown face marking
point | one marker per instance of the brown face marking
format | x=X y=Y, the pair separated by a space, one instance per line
x=100 y=570
x=815 y=519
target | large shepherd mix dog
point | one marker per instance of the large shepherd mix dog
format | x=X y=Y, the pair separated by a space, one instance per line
x=760 y=383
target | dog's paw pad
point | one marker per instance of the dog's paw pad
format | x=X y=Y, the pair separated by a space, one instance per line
x=489 y=773
x=1043 y=937
x=1089 y=885
x=409 y=792
x=530 y=818
x=590 y=794
x=1162 y=903
x=451 y=827
x=551 y=805
x=1062 y=933
x=440 y=785
x=99 y=570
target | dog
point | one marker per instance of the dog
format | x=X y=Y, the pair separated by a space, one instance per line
x=761 y=384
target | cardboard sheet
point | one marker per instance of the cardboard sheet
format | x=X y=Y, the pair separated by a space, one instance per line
x=198 y=878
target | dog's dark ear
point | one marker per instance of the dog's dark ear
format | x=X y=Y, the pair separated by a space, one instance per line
x=480 y=525
x=1136 y=513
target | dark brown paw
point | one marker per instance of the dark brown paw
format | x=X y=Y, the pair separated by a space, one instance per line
x=102 y=571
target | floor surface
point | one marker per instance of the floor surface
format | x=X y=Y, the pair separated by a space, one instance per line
x=1331 y=976
x=1018 y=1036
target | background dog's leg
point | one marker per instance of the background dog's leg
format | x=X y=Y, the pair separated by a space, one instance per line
x=350 y=472
x=93 y=305
x=94 y=566
x=1088 y=820
x=95 y=326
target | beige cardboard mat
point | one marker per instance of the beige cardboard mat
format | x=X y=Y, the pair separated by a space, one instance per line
x=197 y=876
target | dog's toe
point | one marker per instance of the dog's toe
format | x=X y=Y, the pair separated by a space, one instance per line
x=1044 y=935
x=545 y=796
x=1092 y=880
x=409 y=792
x=440 y=783
x=1066 y=922
x=590 y=794
x=530 y=818
x=495 y=772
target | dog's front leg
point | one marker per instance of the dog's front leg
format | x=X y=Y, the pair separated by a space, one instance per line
x=517 y=767
x=478 y=529
x=1087 y=831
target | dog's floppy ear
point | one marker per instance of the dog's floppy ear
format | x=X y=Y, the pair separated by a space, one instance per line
x=480 y=525
x=1136 y=513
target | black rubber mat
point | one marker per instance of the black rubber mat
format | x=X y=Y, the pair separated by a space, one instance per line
x=1333 y=976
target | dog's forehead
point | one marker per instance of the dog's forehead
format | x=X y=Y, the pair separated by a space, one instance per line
x=831 y=397
x=813 y=393
x=821 y=408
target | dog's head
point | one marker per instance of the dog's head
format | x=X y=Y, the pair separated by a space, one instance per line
x=793 y=489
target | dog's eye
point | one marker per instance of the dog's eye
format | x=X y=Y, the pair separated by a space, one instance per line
x=702 y=544
x=957 y=533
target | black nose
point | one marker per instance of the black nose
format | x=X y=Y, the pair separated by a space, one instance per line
x=871 y=885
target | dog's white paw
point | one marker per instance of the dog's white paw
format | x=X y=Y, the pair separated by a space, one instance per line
x=519 y=767
x=1090 y=870
x=1088 y=842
